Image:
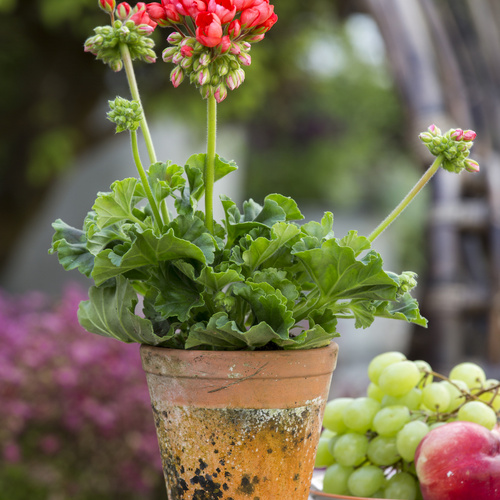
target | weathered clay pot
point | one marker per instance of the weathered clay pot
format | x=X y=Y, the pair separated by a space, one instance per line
x=238 y=424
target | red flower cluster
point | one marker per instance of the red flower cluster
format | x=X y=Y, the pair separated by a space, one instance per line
x=216 y=21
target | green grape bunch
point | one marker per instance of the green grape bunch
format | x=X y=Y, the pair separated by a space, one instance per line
x=368 y=443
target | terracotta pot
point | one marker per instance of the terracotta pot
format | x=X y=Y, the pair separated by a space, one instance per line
x=238 y=424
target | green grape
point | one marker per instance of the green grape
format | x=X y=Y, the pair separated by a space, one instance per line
x=402 y=486
x=491 y=397
x=424 y=368
x=383 y=451
x=456 y=389
x=323 y=455
x=378 y=363
x=436 y=397
x=335 y=479
x=374 y=392
x=478 y=412
x=399 y=378
x=439 y=424
x=332 y=418
x=365 y=481
x=473 y=375
x=390 y=420
x=327 y=434
x=412 y=400
x=331 y=443
x=358 y=415
x=409 y=438
x=350 y=449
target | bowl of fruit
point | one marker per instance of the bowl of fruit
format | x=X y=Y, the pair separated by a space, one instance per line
x=415 y=434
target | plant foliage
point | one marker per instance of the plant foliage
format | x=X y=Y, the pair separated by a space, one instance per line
x=261 y=281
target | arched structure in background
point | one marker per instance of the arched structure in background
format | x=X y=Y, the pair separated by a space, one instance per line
x=445 y=57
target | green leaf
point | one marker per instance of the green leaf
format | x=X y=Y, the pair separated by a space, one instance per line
x=109 y=237
x=218 y=280
x=164 y=178
x=320 y=231
x=146 y=250
x=288 y=205
x=339 y=275
x=191 y=228
x=405 y=308
x=110 y=312
x=116 y=206
x=222 y=334
x=309 y=339
x=71 y=247
x=177 y=294
x=222 y=166
x=268 y=305
x=262 y=248
x=357 y=243
x=277 y=279
x=363 y=312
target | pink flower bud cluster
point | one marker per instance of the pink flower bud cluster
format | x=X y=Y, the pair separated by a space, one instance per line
x=57 y=425
x=130 y=25
x=211 y=40
x=454 y=146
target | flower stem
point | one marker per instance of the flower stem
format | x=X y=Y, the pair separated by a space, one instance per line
x=144 y=180
x=134 y=90
x=210 y=162
x=407 y=199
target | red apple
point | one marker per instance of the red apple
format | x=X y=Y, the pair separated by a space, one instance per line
x=459 y=461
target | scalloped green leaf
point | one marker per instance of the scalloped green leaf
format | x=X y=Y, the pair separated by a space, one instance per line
x=338 y=275
x=146 y=250
x=117 y=205
x=262 y=249
x=110 y=312
x=71 y=247
x=287 y=204
x=223 y=334
x=268 y=305
x=405 y=308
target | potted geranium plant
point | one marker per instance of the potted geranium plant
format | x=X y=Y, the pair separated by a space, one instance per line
x=237 y=317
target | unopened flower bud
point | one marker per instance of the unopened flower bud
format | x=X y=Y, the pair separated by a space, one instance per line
x=255 y=38
x=204 y=59
x=457 y=134
x=145 y=29
x=168 y=53
x=177 y=76
x=107 y=5
x=245 y=59
x=469 y=135
x=206 y=91
x=116 y=65
x=471 y=166
x=186 y=63
x=426 y=137
x=220 y=92
x=235 y=49
x=235 y=78
x=123 y=11
x=149 y=56
x=174 y=38
x=125 y=114
x=434 y=130
x=225 y=44
x=203 y=77
x=178 y=57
